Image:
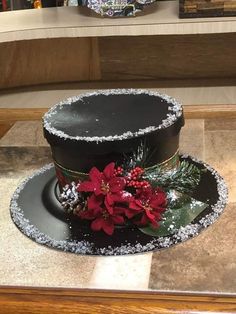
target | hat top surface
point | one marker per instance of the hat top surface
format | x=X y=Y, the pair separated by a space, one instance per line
x=110 y=115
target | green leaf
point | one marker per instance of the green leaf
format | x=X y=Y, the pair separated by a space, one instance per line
x=175 y=217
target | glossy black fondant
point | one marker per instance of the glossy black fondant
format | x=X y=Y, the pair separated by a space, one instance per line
x=110 y=115
x=85 y=155
x=100 y=115
x=46 y=214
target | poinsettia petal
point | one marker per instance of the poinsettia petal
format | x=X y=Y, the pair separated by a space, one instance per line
x=86 y=186
x=109 y=170
x=109 y=199
x=145 y=193
x=120 y=197
x=155 y=203
x=144 y=221
x=151 y=218
x=94 y=201
x=160 y=209
x=97 y=211
x=135 y=206
x=108 y=206
x=87 y=214
x=162 y=194
x=97 y=190
x=154 y=223
x=158 y=201
x=108 y=226
x=118 y=220
x=119 y=210
x=117 y=197
x=95 y=175
x=117 y=184
x=130 y=213
x=96 y=225
x=149 y=214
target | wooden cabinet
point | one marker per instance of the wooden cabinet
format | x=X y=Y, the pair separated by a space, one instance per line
x=71 y=44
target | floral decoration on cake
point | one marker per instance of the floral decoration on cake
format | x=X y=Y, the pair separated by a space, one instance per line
x=157 y=200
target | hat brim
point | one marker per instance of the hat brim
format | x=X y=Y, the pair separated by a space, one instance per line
x=36 y=211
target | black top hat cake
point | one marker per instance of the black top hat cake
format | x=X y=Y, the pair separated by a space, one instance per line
x=103 y=127
x=120 y=185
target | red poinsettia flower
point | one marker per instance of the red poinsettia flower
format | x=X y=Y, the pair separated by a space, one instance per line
x=150 y=204
x=107 y=222
x=94 y=207
x=104 y=184
x=102 y=219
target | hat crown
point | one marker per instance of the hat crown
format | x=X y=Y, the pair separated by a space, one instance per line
x=101 y=127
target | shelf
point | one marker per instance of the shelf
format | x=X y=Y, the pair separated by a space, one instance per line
x=160 y=18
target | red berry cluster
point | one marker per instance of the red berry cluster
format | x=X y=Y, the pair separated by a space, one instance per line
x=136 y=173
x=118 y=171
x=138 y=184
x=134 y=179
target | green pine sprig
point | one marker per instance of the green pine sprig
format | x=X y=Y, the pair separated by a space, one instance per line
x=138 y=157
x=183 y=179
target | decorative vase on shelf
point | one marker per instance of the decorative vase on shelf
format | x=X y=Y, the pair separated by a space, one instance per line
x=113 y=8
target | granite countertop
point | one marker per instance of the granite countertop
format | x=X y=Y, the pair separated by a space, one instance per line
x=206 y=263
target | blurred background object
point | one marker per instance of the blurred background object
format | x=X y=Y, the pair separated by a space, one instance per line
x=206 y=8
